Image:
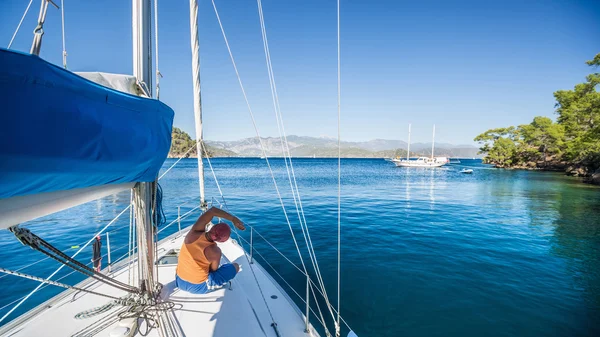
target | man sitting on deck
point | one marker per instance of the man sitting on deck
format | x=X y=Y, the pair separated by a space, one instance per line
x=198 y=269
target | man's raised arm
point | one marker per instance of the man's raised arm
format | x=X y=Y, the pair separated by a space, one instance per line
x=204 y=219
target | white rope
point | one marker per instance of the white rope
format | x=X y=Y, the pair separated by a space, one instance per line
x=27 y=266
x=58 y=279
x=19 y=25
x=278 y=251
x=239 y=236
x=181 y=217
x=64 y=53
x=61 y=267
x=337 y=327
x=55 y=283
x=178 y=160
x=322 y=320
x=294 y=265
x=258 y=135
x=45 y=285
x=285 y=148
x=135 y=273
x=287 y=283
x=130 y=242
x=154 y=230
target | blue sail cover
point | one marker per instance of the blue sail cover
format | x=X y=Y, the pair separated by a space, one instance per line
x=59 y=131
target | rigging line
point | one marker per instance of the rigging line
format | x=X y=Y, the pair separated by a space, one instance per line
x=41 y=245
x=34 y=263
x=322 y=320
x=284 y=141
x=278 y=251
x=295 y=292
x=130 y=243
x=19 y=25
x=119 y=260
x=158 y=74
x=214 y=175
x=58 y=284
x=337 y=326
x=62 y=16
x=47 y=257
x=295 y=266
x=285 y=145
x=157 y=219
x=238 y=234
x=178 y=160
x=27 y=266
x=257 y=134
x=170 y=323
x=135 y=247
x=83 y=269
x=116 y=230
x=280 y=119
x=45 y=285
x=181 y=217
x=62 y=266
x=312 y=290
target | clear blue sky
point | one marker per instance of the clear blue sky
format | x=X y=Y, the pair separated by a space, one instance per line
x=464 y=65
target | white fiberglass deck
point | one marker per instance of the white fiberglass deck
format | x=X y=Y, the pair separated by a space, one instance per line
x=239 y=311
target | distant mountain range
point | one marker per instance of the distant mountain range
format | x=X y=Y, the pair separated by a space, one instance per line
x=302 y=146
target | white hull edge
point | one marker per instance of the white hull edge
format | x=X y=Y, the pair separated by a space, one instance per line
x=404 y=164
x=418 y=163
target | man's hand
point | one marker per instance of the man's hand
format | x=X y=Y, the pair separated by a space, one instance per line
x=238 y=223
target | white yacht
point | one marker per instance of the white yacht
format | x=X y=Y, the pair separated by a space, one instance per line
x=421 y=161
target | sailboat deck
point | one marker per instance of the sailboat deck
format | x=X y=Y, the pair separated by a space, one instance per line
x=238 y=310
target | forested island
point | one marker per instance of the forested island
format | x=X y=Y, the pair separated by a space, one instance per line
x=571 y=144
x=181 y=143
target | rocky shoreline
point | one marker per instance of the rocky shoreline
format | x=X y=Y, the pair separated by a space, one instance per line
x=587 y=174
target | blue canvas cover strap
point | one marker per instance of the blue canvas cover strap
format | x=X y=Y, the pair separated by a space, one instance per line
x=59 y=131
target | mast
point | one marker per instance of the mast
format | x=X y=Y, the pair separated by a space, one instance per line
x=408 y=146
x=195 y=44
x=433 y=141
x=142 y=192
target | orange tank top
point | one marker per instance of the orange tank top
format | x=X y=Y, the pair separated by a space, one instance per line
x=192 y=264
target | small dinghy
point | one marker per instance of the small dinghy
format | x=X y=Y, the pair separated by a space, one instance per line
x=466 y=171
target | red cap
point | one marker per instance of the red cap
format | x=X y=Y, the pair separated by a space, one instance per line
x=220 y=232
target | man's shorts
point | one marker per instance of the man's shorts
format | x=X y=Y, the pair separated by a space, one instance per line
x=216 y=280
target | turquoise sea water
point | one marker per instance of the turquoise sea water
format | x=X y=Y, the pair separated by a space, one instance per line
x=425 y=252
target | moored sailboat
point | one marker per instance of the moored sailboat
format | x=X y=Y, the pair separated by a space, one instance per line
x=421 y=161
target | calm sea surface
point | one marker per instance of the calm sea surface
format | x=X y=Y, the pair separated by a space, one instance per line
x=424 y=252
